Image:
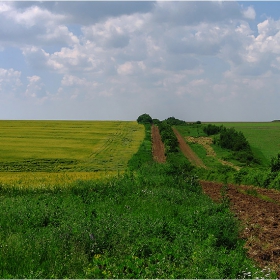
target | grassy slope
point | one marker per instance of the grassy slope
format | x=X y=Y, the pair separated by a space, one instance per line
x=262 y=136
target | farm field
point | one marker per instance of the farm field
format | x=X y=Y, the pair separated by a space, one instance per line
x=53 y=152
x=151 y=221
x=262 y=136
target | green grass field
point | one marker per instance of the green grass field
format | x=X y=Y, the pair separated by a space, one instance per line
x=264 y=137
x=152 y=222
x=52 y=147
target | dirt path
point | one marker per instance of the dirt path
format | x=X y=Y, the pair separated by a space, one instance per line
x=158 y=146
x=187 y=151
x=206 y=142
x=259 y=212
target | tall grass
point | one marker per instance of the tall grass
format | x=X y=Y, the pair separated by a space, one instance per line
x=156 y=224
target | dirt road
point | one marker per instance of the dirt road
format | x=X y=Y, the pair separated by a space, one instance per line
x=187 y=151
x=259 y=212
x=158 y=146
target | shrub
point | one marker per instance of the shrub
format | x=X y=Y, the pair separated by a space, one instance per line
x=144 y=118
x=212 y=129
x=168 y=137
x=275 y=164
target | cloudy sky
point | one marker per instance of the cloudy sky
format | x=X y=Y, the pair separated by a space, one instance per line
x=207 y=61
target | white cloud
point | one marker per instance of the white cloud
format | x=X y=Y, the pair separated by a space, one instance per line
x=249 y=13
x=33 y=16
x=35 y=88
x=9 y=81
x=167 y=55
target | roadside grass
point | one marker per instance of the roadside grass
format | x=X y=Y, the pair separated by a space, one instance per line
x=209 y=161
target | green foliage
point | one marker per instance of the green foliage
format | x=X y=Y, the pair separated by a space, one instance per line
x=173 y=121
x=212 y=129
x=156 y=224
x=144 y=119
x=262 y=136
x=275 y=164
x=168 y=137
x=156 y=121
x=236 y=141
x=233 y=140
x=152 y=222
x=144 y=153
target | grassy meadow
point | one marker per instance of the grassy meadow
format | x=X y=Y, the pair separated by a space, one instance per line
x=53 y=152
x=264 y=137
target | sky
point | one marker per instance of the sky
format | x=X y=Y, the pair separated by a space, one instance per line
x=100 y=60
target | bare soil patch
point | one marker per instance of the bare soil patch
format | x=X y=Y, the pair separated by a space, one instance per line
x=158 y=146
x=259 y=212
x=187 y=151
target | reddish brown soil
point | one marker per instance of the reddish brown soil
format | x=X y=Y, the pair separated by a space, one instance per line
x=259 y=218
x=158 y=146
x=187 y=151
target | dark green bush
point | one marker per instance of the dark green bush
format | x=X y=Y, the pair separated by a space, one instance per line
x=168 y=137
x=212 y=129
x=145 y=118
x=275 y=164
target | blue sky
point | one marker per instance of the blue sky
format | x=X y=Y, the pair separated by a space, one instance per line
x=207 y=61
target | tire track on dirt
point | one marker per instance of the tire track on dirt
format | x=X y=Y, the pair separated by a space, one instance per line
x=158 y=146
x=187 y=151
x=259 y=217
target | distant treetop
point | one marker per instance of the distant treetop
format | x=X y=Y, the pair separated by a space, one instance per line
x=144 y=118
x=173 y=121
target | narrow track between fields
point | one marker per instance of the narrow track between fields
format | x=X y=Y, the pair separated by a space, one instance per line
x=158 y=146
x=187 y=151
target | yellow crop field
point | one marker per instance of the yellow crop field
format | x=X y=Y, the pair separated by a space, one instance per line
x=52 y=152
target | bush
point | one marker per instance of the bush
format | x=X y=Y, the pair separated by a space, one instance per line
x=275 y=164
x=173 y=121
x=144 y=118
x=212 y=129
x=168 y=137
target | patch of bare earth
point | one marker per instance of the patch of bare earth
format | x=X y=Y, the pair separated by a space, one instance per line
x=206 y=142
x=158 y=146
x=259 y=212
x=187 y=151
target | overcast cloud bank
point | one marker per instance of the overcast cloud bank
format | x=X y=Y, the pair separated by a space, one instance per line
x=208 y=61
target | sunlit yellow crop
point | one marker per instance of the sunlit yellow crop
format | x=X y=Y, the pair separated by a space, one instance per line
x=58 y=152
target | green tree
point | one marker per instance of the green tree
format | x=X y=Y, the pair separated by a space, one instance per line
x=144 y=118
